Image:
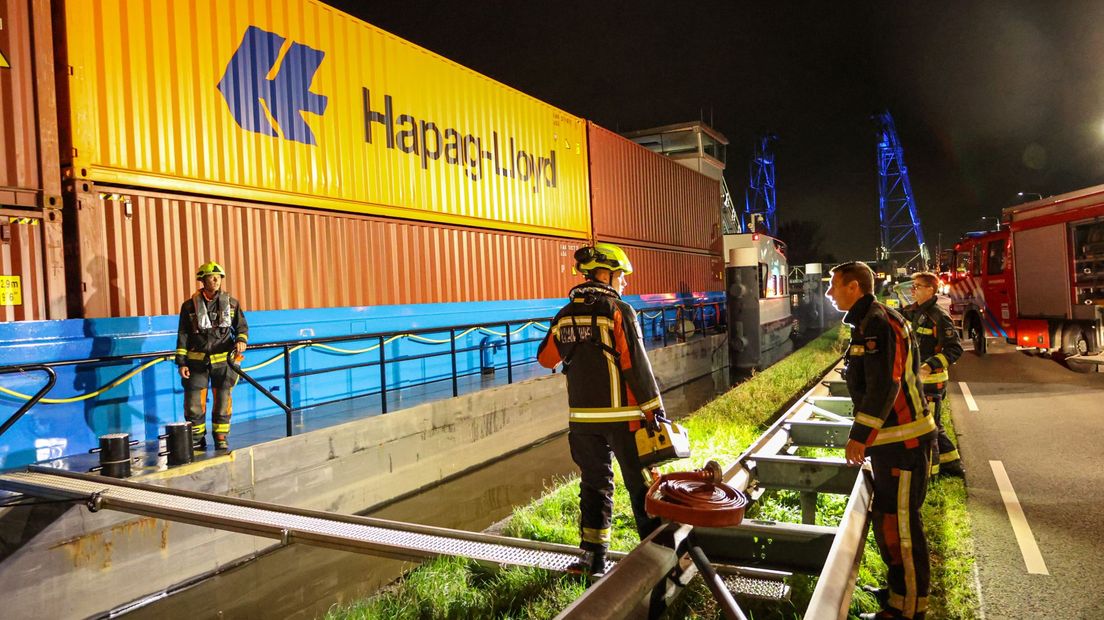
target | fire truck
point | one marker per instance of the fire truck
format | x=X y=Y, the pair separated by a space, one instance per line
x=1038 y=281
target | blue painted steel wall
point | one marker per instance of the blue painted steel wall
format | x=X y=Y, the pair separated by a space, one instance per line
x=143 y=405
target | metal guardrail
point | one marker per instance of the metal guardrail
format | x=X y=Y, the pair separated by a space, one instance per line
x=702 y=316
x=761 y=552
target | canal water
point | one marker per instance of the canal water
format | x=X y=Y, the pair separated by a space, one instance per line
x=304 y=582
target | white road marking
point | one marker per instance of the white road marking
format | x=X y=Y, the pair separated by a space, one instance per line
x=1033 y=559
x=971 y=404
x=981 y=599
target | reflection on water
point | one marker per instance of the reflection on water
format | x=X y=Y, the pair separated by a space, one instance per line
x=303 y=582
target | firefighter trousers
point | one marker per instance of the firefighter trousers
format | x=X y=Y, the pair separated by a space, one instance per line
x=221 y=381
x=945 y=452
x=900 y=485
x=592 y=447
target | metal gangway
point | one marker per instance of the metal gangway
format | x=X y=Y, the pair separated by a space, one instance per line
x=749 y=560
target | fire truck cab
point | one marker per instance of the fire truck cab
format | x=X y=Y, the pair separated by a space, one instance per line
x=1038 y=282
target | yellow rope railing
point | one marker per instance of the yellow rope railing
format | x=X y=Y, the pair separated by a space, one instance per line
x=325 y=347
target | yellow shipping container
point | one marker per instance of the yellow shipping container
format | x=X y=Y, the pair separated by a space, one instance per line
x=295 y=102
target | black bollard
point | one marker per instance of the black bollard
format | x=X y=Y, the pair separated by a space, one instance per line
x=178 y=443
x=114 y=455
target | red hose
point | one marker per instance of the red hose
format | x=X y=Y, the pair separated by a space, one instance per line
x=696 y=498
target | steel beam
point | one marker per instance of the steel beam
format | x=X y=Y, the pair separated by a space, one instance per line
x=819 y=434
x=768 y=544
x=832 y=596
x=823 y=475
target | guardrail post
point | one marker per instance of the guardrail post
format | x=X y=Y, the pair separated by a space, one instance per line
x=509 y=358
x=383 y=374
x=287 y=389
x=663 y=322
x=452 y=347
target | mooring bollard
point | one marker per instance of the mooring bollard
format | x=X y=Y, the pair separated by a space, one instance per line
x=114 y=453
x=178 y=443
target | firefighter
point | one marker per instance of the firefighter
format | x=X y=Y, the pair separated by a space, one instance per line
x=937 y=340
x=894 y=429
x=212 y=329
x=611 y=392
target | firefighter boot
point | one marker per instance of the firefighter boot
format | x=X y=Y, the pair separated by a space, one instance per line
x=221 y=443
x=199 y=438
x=590 y=563
x=880 y=594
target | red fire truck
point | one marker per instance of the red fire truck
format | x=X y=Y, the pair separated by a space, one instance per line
x=1038 y=281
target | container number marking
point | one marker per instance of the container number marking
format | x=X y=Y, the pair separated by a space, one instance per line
x=11 y=291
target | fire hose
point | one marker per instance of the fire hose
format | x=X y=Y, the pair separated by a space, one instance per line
x=700 y=498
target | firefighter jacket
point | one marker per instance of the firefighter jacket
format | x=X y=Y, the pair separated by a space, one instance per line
x=597 y=338
x=209 y=329
x=937 y=339
x=882 y=372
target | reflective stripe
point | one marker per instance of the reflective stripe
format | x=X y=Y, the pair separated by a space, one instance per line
x=912 y=430
x=856 y=349
x=592 y=535
x=219 y=358
x=243 y=337
x=947 y=457
x=197 y=355
x=199 y=429
x=216 y=358
x=611 y=364
x=221 y=428
x=897 y=601
x=651 y=404
x=924 y=331
x=181 y=351
x=580 y=320
x=904 y=484
x=942 y=359
x=619 y=414
x=937 y=377
x=869 y=420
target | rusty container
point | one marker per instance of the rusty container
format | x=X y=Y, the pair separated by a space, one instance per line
x=667 y=271
x=32 y=265
x=140 y=251
x=643 y=198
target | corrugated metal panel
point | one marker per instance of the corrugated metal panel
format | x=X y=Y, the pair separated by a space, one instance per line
x=273 y=101
x=28 y=119
x=281 y=257
x=638 y=196
x=21 y=255
x=665 y=271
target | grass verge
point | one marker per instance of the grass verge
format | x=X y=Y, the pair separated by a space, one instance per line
x=457 y=588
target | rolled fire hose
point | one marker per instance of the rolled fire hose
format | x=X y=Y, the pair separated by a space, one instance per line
x=697 y=498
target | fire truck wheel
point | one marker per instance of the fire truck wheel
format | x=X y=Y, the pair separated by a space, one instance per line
x=1075 y=343
x=976 y=333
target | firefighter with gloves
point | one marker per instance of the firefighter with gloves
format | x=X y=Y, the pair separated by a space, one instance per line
x=212 y=334
x=937 y=339
x=611 y=393
x=894 y=429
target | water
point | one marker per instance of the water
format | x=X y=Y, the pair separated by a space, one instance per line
x=304 y=582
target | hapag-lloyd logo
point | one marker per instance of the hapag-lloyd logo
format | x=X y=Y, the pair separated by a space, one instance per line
x=272 y=107
x=277 y=107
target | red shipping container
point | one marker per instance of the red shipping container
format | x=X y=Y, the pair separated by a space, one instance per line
x=642 y=198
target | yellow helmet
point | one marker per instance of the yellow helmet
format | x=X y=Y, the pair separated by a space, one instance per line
x=210 y=269
x=602 y=256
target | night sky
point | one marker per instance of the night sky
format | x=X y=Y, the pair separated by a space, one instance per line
x=991 y=98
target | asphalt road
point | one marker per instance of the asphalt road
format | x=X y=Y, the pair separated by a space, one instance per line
x=1045 y=425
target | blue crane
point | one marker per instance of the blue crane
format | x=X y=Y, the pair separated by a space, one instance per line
x=759 y=201
x=902 y=237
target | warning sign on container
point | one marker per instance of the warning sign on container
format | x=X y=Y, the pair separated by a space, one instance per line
x=11 y=291
x=4 y=61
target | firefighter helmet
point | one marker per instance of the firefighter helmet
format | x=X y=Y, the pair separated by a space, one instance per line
x=210 y=269
x=602 y=256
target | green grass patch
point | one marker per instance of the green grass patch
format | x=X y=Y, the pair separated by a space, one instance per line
x=721 y=431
